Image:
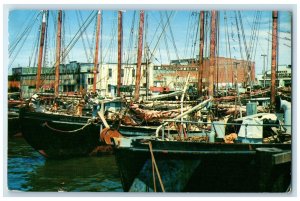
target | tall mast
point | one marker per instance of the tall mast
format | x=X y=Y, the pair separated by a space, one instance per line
x=200 y=69
x=40 y=58
x=139 y=57
x=120 y=36
x=264 y=69
x=212 y=54
x=96 y=51
x=274 y=56
x=58 y=47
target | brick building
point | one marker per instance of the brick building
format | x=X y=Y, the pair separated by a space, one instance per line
x=175 y=74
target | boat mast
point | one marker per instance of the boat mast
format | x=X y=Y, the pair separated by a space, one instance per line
x=96 y=51
x=58 y=47
x=212 y=54
x=41 y=48
x=120 y=36
x=139 y=57
x=237 y=95
x=200 y=69
x=274 y=56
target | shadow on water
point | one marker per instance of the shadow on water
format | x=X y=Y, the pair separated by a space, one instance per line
x=29 y=171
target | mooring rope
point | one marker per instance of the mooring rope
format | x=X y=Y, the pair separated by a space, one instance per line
x=154 y=163
x=73 y=131
x=153 y=174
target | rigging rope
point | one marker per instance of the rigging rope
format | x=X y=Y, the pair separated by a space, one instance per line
x=73 y=41
x=197 y=27
x=217 y=46
x=240 y=44
x=129 y=46
x=193 y=34
x=21 y=46
x=172 y=36
x=34 y=50
x=228 y=42
x=165 y=38
x=19 y=37
x=154 y=49
x=90 y=45
x=187 y=37
x=156 y=30
x=207 y=28
x=63 y=40
x=82 y=39
x=45 y=59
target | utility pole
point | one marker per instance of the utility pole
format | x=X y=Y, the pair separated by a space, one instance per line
x=200 y=68
x=41 y=48
x=96 y=51
x=120 y=37
x=139 y=57
x=274 y=57
x=58 y=47
x=264 y=69
x=212 y=54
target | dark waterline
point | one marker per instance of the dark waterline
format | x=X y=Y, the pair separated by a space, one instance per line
x=29 y=171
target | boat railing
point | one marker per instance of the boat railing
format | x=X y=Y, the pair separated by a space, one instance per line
x=246 y=125
x=195 y=108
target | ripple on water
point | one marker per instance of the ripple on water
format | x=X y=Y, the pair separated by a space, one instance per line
x=29 y=171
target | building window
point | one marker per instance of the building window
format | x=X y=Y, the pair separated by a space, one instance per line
x=122 y=72
x=144 y=73
x=133 y=72
x=110 y=72
x=68 y=88
x=90 y=80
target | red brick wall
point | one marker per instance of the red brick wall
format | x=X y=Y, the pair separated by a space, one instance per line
x=222 y=78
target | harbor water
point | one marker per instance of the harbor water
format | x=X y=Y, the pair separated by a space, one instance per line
x=28 y=171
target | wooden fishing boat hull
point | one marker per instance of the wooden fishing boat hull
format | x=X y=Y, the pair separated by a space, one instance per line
x=13 y=124
x=59 y=136
x=65 y=136
x=205 y=167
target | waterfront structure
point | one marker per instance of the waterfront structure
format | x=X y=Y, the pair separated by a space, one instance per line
x=174 y=75
x=76 y=77
x=14 y=81
x=283 y=78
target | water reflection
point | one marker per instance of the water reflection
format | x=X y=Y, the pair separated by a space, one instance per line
x=28 y=171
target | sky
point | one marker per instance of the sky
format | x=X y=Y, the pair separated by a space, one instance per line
x=178 y=39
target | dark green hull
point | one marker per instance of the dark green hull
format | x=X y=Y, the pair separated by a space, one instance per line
x=206 y=167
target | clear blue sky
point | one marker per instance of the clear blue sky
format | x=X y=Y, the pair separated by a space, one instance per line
x=185 y=39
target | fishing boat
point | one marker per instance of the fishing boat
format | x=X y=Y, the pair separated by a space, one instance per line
x=246 y=158
x=45 y=122
x=63 y=132
x=14 y=104
x=216 y=159
x=66 y=129
x=177 y=166
x=242 y=159
x=61 y=126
